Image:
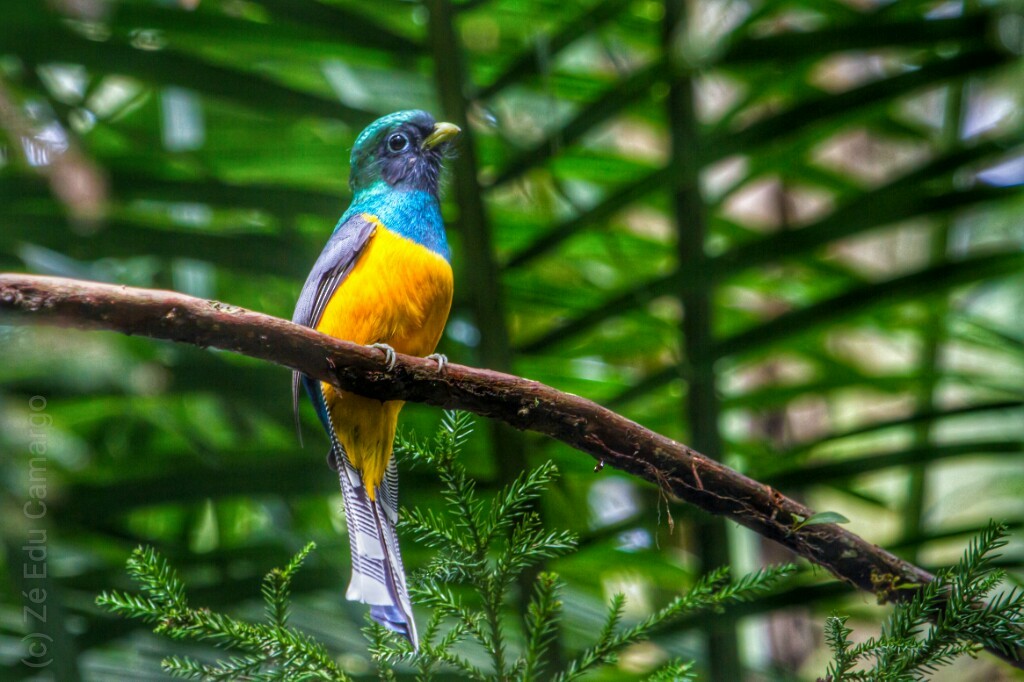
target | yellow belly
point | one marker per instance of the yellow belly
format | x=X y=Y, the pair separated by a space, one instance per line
x=399 y=293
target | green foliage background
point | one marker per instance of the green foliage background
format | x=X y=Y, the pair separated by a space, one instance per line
x=786 y=233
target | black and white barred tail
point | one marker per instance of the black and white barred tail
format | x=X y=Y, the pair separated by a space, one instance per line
x=378 y=577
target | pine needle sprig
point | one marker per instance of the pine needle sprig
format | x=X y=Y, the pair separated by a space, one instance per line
x=269 y=651
x=837 y=637
x=277 y=587
x=482 y=546
x=482 y=549
x=542 y=615
x=516 y=498
x=157 y=578
x=955 y=615
x=675 y=671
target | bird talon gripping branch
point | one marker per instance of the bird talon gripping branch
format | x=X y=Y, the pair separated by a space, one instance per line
x=389 y=354
x=441 y=359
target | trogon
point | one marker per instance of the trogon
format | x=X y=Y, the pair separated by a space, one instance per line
x=383 y=279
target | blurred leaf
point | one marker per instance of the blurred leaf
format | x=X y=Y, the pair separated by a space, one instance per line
x=819 y=518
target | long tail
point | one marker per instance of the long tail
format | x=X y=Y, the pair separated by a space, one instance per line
x=378 y=577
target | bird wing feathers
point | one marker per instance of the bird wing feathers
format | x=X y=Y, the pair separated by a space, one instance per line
x=335 y=262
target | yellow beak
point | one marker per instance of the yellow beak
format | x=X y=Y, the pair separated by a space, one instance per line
x=442 y=133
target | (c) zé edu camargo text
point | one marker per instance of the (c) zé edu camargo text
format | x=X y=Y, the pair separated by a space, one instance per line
x=34 y=568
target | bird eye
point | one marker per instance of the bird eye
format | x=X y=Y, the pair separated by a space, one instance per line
x=398 y=142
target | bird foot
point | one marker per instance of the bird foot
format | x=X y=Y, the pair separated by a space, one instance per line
x=441 y=360
x=389 y=354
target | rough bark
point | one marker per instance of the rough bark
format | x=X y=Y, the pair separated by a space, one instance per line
x=529 y=405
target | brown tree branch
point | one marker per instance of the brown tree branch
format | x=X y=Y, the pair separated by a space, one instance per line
x=524 y=404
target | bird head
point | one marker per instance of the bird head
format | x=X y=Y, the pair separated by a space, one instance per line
x=404 y=149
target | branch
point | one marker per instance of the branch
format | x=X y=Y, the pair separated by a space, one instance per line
x=529 y=405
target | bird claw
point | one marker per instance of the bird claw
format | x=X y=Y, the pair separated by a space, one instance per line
x=389 y=354
x=441 y=360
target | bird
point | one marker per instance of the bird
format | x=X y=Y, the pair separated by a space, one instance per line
x=384 y=279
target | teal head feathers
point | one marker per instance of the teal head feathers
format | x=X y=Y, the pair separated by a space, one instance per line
x=396 y=169
x=404 y=149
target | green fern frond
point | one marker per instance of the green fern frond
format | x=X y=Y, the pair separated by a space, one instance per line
x=944 y=620
x=542 y=615
x=531 y=543
x=131 y=605
x=517 y=497
x=479 y=559
x=157 y=579
x=269 y=651
x=487 y=554
x=456 y=428
x=229 y=670
x=277 y=585
x=676 y=671
x=837 y=637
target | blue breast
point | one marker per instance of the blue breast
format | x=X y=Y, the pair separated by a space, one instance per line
x=413 y=214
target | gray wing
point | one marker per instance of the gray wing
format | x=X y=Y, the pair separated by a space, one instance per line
x=330 y=270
